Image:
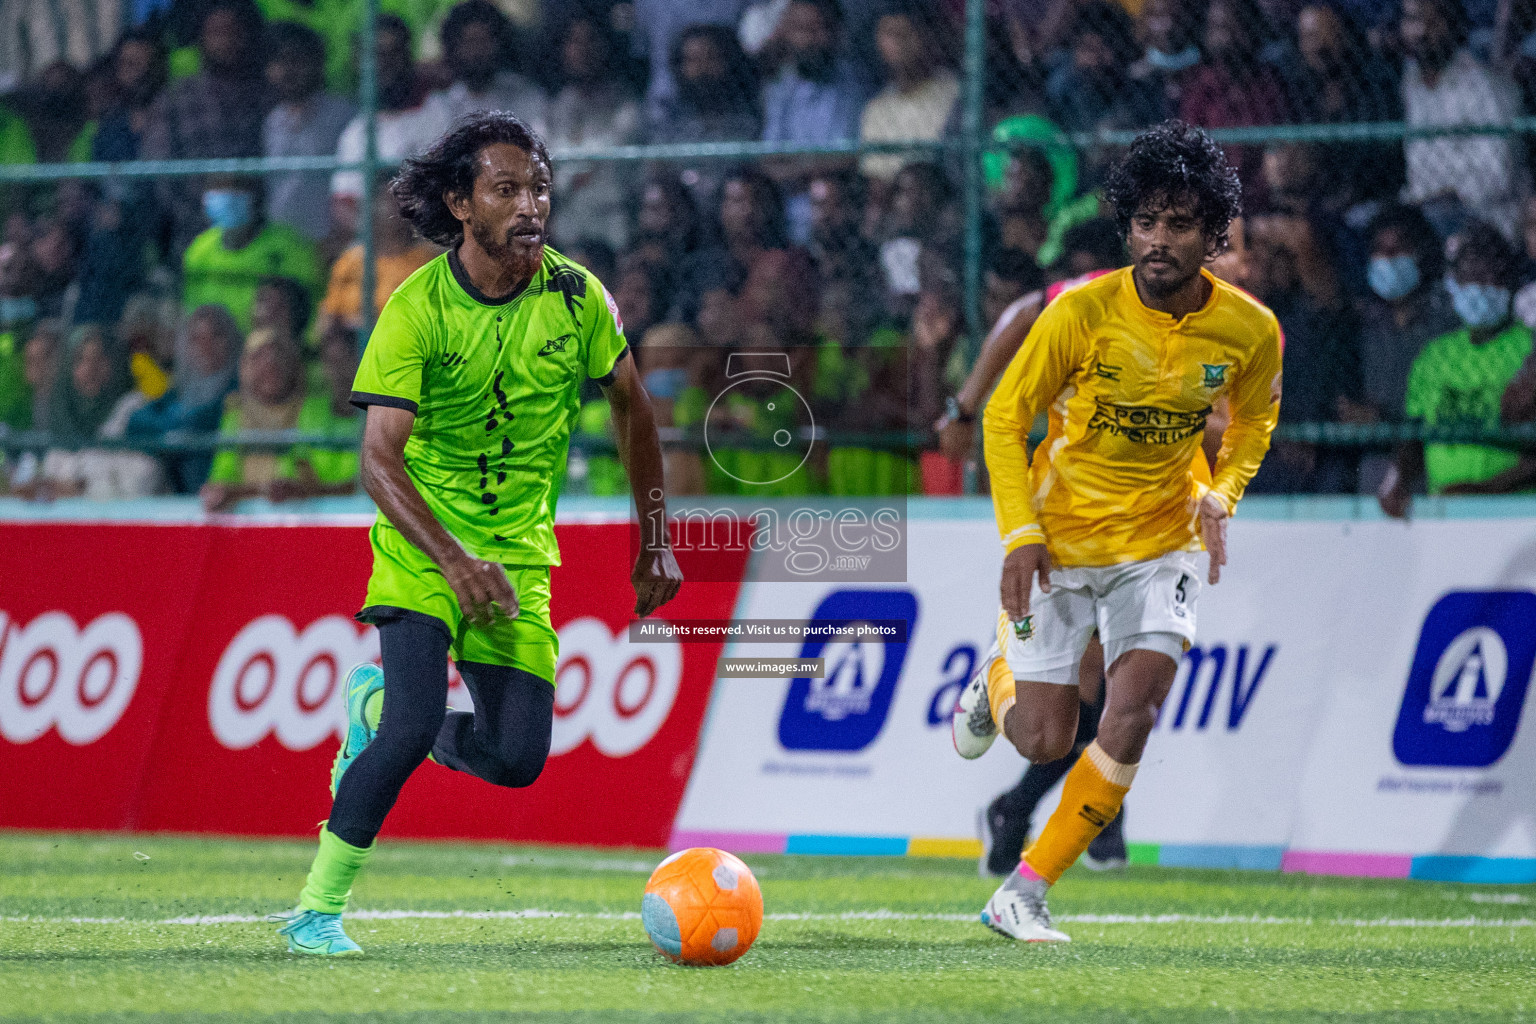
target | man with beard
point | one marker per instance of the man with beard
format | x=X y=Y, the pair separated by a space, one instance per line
x=1102 y=527
x=815 y=100
x=471 y=384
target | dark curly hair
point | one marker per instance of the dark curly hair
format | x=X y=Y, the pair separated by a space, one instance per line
x=1174 y=164
x=1481 y=240
x=451 y=165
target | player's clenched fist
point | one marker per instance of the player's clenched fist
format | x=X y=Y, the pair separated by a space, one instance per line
x=656 y=578
x=1019 y=570
x=482 y=588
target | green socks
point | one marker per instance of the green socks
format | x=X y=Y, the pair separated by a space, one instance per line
x=330 y=876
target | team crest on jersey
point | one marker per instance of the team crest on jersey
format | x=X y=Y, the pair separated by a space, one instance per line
x=554 y=345
x=1215 y=374
x=1024 y=628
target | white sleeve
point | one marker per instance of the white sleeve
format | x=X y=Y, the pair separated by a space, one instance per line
x=348 y=149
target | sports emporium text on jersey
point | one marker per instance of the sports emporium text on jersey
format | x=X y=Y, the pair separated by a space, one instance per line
x=1147 y=424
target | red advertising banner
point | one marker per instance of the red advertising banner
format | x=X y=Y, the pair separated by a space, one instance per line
x=188 y=678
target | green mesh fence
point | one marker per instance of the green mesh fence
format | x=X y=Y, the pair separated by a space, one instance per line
x=925 y=163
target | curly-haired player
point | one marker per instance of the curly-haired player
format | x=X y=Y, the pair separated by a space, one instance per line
x=1102 y=528
x=471 y=382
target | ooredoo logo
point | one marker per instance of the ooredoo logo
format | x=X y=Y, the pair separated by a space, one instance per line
x=613 y=691
x=275 y=680
x=54 y=675
x=1469 y=678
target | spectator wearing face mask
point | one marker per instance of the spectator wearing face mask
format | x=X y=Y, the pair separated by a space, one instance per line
x=1459 y=379
x=1406 y=308
x=816 y=99
x=226 y=263
x=217 y=112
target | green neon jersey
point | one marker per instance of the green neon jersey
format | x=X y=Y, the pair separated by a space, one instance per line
x=1456 y=383
x=494 y=385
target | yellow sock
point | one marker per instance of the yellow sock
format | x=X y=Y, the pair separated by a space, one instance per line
x=1090 y=799
x=1000 y=690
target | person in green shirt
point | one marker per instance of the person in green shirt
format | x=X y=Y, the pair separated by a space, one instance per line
x=226 y=263
x=272 y=397
x=471 y=382
x=1460 y=378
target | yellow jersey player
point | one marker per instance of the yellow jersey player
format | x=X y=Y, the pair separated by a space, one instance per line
x=1102 y=528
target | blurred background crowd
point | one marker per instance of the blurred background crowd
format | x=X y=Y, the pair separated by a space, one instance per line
x=138 y=310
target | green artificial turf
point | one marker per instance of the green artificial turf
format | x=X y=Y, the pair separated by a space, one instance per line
x=99 y=928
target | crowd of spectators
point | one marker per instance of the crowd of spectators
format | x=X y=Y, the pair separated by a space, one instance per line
x=146 y=309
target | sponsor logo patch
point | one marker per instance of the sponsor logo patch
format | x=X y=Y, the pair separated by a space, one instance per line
x=1147 y=424
x=1467 y=686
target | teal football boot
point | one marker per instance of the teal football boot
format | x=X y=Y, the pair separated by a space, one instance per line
x=316 y=934
x=363 y=683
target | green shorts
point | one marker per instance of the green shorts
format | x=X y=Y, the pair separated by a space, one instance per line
x=405 y=581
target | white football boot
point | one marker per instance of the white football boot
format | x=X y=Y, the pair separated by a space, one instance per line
x=1017 y=909
x=971 y=725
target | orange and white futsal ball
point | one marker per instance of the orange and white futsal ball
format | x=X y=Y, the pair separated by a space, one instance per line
x=702 y=907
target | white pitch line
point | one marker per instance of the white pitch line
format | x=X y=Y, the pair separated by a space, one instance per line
x=852 y=915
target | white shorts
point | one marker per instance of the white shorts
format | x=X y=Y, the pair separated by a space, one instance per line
x=1146 y=605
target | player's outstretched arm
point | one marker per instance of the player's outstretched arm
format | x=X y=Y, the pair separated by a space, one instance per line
x=482 y=587
x=656 y=576
x=957 y=434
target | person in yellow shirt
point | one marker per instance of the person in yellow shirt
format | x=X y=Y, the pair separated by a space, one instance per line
x=398 y=253
x=1101 y=529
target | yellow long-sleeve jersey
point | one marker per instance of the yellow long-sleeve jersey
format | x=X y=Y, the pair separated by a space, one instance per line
x=1120 y=475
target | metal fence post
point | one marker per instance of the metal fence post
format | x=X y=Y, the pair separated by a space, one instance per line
x=971 y=127
x=369 y=66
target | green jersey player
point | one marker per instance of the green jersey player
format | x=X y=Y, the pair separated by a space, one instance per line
x=470 y=383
